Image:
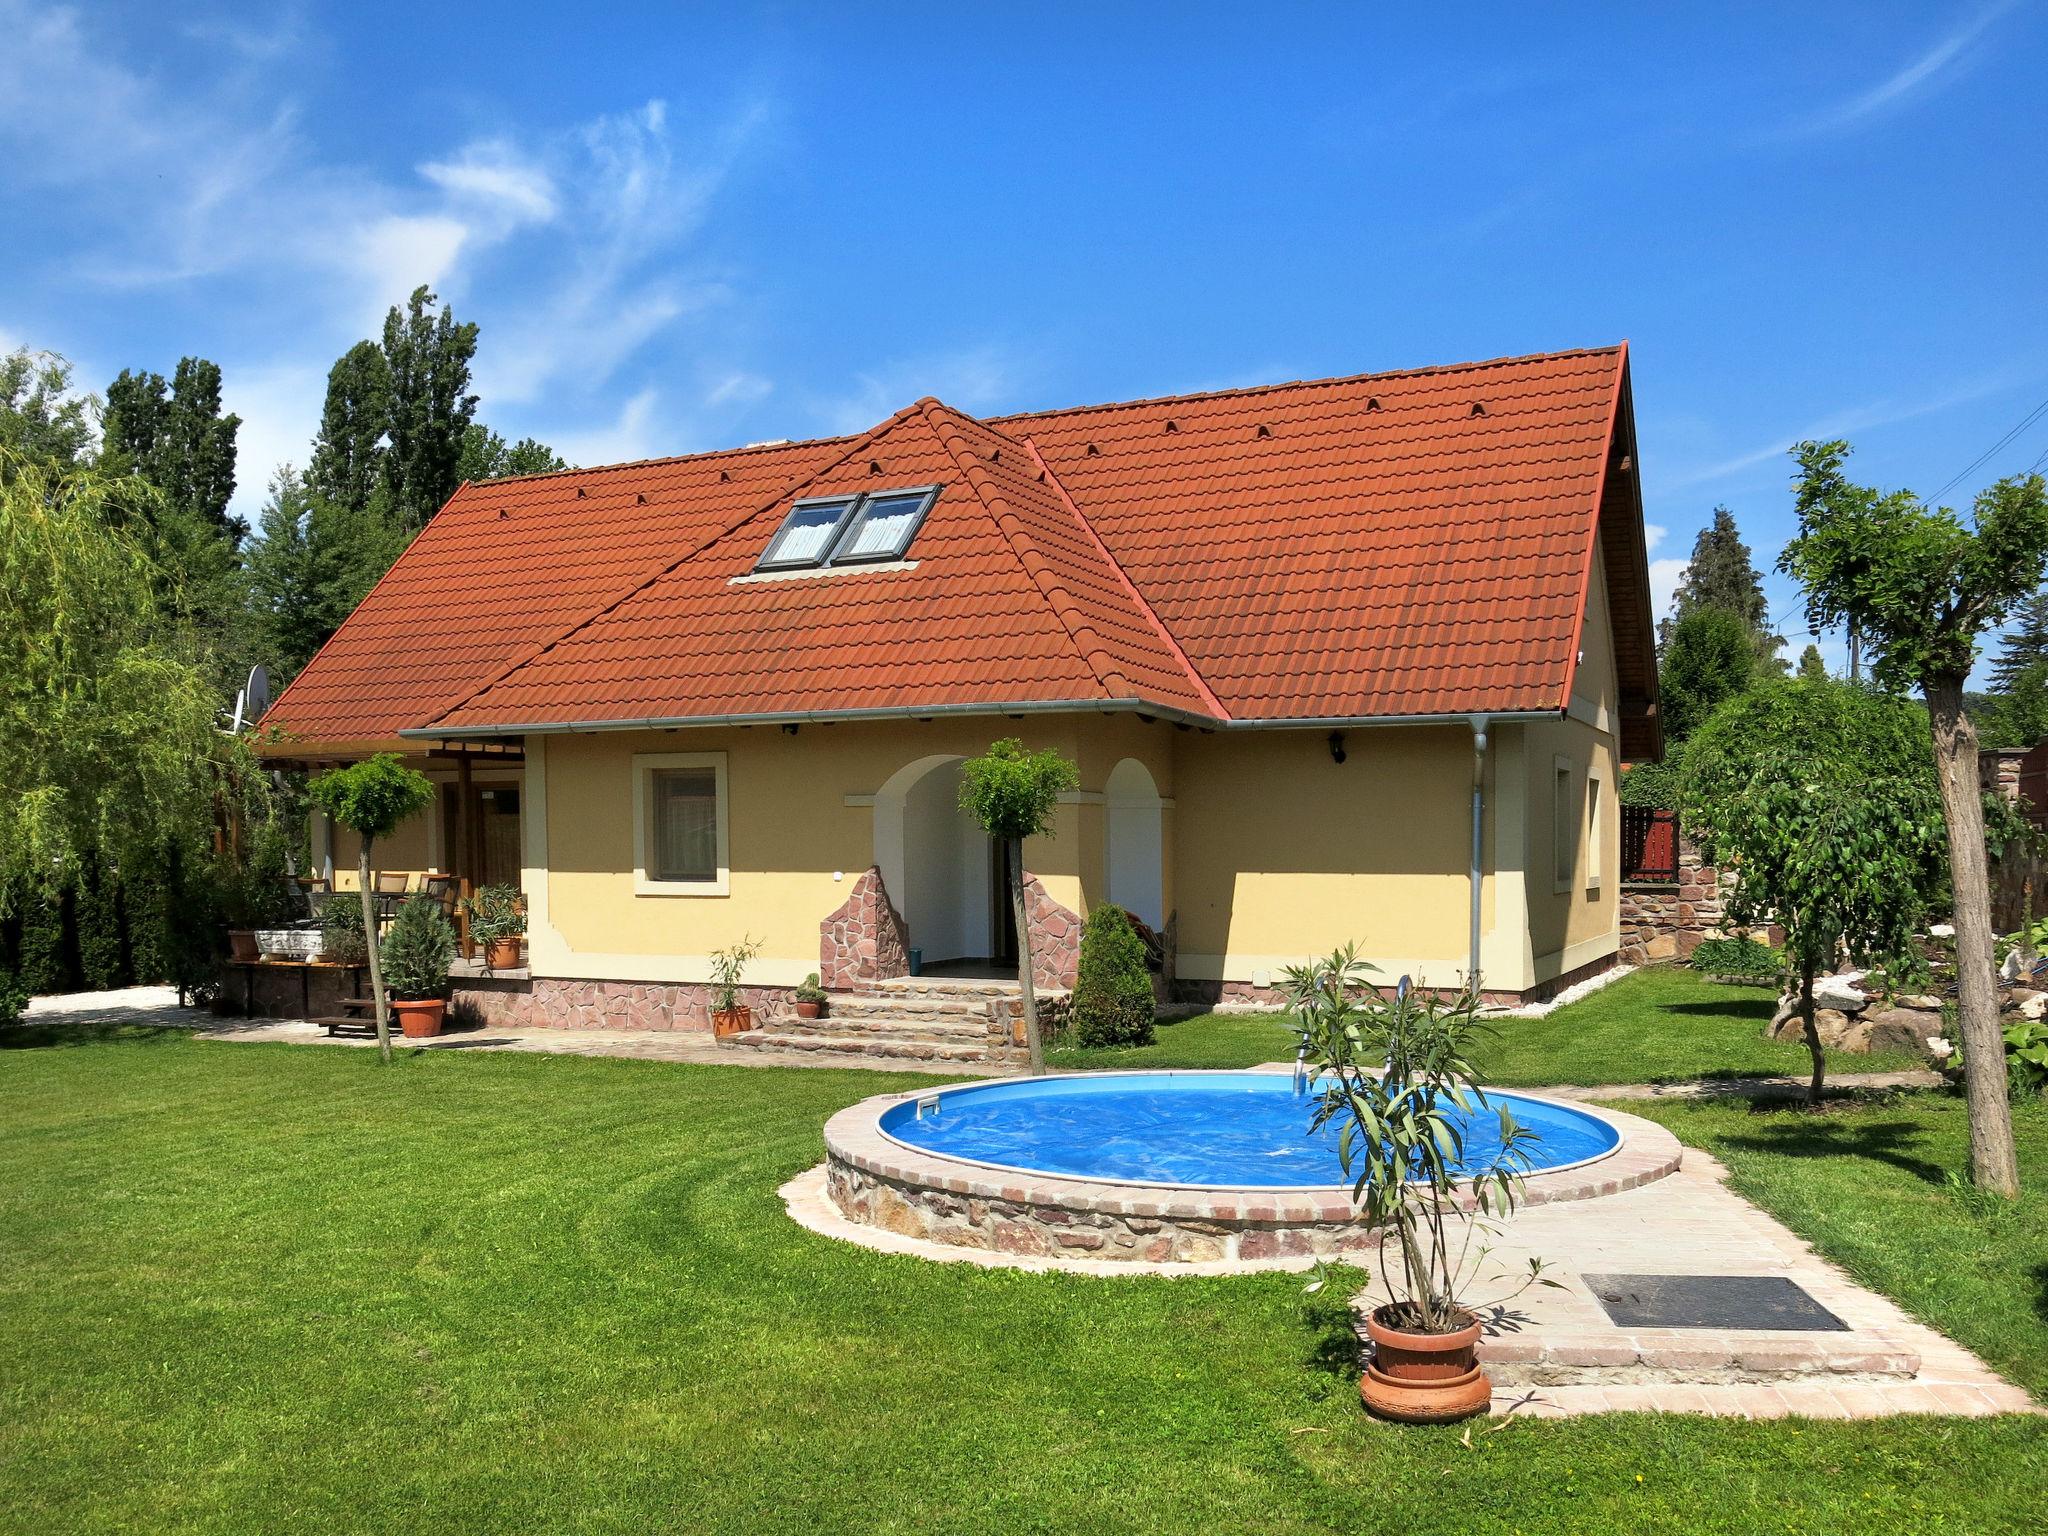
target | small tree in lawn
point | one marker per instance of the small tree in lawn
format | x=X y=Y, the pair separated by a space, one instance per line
x=1821 y=798
x=1011 y=793
x=1921 y=587
x=371 y=799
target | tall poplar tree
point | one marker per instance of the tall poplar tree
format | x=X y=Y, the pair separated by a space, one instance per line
x=428 y=354
x=348 y=454
x=176 y=437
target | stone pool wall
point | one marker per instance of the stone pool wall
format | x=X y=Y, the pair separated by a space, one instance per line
x=879 y=1182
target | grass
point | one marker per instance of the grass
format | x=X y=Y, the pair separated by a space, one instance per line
x=1663 y=1024
x=261 y=1288
x=1871 y=1185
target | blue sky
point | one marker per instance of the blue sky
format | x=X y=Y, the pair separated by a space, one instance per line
x=688 y=227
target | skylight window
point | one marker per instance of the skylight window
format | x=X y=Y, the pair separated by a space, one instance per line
x=848 y=530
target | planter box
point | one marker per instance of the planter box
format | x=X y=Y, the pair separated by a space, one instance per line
x=289 y=943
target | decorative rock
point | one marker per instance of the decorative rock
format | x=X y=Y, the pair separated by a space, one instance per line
x=1893 y=1029
x=2034 y=1005
x=1831 y=1023
x=1663 y=947
x=1942 y=931
x=1921 y=1000
x=2010 y=969
x=1841 y=992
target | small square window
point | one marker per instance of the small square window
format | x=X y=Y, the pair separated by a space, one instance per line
x=884 y=526
x=807 y=534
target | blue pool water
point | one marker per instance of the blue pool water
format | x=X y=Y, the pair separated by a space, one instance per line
x=1191 y=1129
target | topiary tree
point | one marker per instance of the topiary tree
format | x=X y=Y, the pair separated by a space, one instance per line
x=1113 y=987
x=1011 y=794
x=1921 y=587
x=372 y=798
x=1820 y=796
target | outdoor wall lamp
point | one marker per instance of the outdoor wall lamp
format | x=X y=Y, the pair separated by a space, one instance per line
x=1336 y=746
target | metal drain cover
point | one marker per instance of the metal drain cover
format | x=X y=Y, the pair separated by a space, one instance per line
x=1749 y=1303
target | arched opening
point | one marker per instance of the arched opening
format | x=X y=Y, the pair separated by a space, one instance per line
x=1137 y=842
x=939 y=868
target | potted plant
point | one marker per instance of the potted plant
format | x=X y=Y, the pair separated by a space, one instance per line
x=810 y=998
x=1394 y=1076
x=414 y=956
x=496 y=922
x=728 y=1015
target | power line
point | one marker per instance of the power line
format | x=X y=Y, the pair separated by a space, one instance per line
x=2025 y=422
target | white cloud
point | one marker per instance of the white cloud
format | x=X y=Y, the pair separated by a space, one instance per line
x=633 y=434
x=206 y=176
x=1934 y=68
x=1653 y=535
x=1665 y=576
x=494 y=175
x=975 y=379
x=738 y=388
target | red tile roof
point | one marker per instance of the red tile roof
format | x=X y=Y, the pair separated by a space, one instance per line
x=1398 y=544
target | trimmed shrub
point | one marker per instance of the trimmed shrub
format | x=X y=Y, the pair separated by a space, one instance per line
x=1739 y=959
x=1112 y=987
x=417 y=950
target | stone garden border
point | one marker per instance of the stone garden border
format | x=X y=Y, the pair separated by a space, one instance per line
x=944 y=1203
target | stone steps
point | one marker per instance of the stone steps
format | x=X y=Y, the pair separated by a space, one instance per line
x=874 y=1044
x=862 y=1005
x=950 y=1028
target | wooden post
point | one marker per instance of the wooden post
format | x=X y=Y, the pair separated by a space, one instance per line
x=461 y=856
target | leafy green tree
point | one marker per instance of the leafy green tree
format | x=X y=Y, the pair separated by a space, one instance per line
x=372 y=798
x=1811 y=668
x=2025 y=646
x=40 y=418
x=1011 y=793
x=428 y=355
x=1113 y=1003
x=108 y=745
x=1821 y=797
x=1721 y=575
x=348 y=452
x=178 y=439
x=1922 y=587
x=487 y=456
x=1710 y=658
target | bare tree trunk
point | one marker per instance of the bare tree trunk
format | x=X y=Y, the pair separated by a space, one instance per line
x=1994 y=1165
x=1032 y=1043
x=370 y=938
x=1813 y=1045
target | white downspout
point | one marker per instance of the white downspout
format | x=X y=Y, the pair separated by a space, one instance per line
x=1478 y=874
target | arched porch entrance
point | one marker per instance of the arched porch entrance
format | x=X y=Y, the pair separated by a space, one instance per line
x=945 y=875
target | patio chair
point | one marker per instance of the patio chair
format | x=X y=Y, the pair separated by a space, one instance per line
x=389 y=889
x=445 y=889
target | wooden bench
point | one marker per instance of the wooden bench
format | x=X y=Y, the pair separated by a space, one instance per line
x=352 y=1016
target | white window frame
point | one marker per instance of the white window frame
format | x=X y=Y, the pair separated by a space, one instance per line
x=1565 y=817
x=1596 y=812
x=645 y=766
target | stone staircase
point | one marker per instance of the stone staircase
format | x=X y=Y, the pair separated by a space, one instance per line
x=914 y=1018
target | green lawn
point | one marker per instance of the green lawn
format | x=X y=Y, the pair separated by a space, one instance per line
x=1659 y=1025
x=275 y=1288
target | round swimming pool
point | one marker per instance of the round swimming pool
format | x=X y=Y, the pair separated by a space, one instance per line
x=1167 y=1166
x=1193 y=1130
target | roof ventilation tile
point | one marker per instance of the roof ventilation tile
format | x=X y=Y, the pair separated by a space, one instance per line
x=1172 y=425
x=1372 y=402
x=1264 y=431
x=1092 y=451
x=1478 y=407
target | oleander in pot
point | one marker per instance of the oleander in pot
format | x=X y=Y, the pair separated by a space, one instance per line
x=414 y=955
x=729 y=1016
x=1394 y=1075
x=497 y=923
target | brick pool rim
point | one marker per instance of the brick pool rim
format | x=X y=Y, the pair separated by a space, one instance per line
x=878 y=1181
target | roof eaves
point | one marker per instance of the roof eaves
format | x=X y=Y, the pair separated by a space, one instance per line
x=1572 y=651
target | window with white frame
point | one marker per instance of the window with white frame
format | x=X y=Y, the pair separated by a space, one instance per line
x=865 y=529
x=1564 y=826
x=1594 y=811
x=679 y=824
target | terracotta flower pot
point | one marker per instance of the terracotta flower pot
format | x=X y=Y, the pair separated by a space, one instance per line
x=503 y=954
x=419 y=1018
x=806 y=1010
x=730 y=1021
x=242 y=944
x=1423 y=1378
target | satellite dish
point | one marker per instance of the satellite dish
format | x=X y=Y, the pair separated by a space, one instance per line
x=253 y=699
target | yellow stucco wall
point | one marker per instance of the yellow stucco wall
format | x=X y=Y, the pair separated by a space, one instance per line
x=407 y=850
x=1282 y=853
x=791 y=830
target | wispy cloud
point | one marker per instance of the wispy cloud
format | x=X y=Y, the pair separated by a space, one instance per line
x=1843 y=423
x=1934 y=69
x=201 y=176
x=976 y=378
